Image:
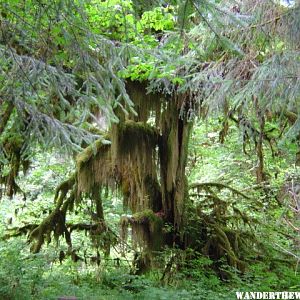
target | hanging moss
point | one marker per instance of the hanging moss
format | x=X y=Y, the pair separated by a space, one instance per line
x=146 y=229
x=127 y=163
x=130 y=164
x=134 y=151
x=133 y=156
x=152 y=188
x=13 y=142
x=55 y=222
x=7 y=109
x=93 y=167
x=124 y=224
x=131 y=135
x=88 y=153
x=145 y=104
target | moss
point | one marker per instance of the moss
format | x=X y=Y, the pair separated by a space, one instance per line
x=94 y=167
x=130 y=164
x=218 y=185
x=55 y=222
x=90 y=151
x=146 y=216
x=226 y=242
x=148 y=220
x=131 y=136
x=145 y=104
x=5 y=116
x=152 y=189
x=19 y=231
x=133 y=158
x=12 y=143
x=124 y=223
x=146 y=230
x=63 y=188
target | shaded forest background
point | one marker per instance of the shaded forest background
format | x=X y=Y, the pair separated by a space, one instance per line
x=149 y=150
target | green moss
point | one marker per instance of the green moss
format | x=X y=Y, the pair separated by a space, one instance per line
x=225 y=242
x=131 y=136
x=145 y=104
x=153 y=189
x=148 y=217
x=7 y=110
x=94 y=167
x=89 y=152
x=55 y=222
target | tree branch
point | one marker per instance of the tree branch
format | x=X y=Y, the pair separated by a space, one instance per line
x=217 y=185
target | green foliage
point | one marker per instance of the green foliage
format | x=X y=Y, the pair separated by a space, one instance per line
x=21 y=272
x=158 y=19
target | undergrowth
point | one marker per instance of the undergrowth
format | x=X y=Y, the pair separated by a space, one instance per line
x=25 y=276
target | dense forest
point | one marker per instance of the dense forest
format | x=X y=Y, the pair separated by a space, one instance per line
x=149 y=149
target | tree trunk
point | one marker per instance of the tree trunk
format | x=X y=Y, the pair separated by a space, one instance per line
x=169 y=200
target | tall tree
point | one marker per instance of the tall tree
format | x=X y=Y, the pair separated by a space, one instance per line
x=67 y=63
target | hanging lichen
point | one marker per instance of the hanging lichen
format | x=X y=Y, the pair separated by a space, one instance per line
x=12 y=143
x=146 y=229
x=146 y=104
x=94 y=167
x=134 y=155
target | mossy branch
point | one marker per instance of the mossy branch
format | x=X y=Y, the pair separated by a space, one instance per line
x=19 y=231
x=62 y=190
x=220 y=186
x=28 y=228
x=83 y=157
x=5 y=115
x=56 y=220
x=221 y=241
